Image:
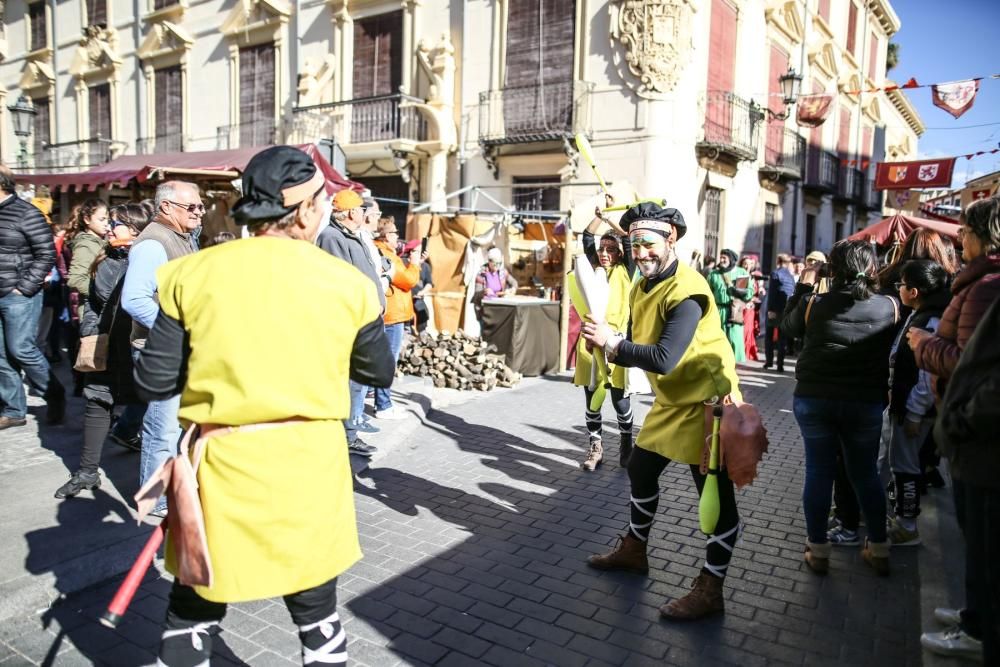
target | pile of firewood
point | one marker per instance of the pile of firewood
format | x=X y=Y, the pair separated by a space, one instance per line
x=457 y=361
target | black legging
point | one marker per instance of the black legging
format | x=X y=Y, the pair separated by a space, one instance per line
x=192 y=620
x=644 y=470
x=623 y=408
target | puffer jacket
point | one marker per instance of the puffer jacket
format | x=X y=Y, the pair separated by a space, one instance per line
x=976 y=287
x=27 y=251
x=85 y=248
x=398 y=298
x=845 y=354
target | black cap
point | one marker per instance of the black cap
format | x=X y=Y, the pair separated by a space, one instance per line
x=652 y=211
x=266 y=179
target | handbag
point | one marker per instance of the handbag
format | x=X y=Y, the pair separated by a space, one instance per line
x=93 y=354
x=742 y=440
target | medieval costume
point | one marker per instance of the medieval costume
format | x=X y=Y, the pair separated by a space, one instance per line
x=732 y=291
x=263 y=376
x=675 y=335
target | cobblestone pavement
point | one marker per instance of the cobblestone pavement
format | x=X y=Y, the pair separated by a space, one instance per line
x=475 y=535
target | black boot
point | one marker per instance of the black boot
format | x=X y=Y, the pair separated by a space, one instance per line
x=79 y=482
x=625 y=449
x=55 y=400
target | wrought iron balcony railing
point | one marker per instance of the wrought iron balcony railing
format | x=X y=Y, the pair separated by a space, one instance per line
x=358 y=121
x=822 y=170
x=784 y=151
x=731 y=124
x=262 y=132
x=161 y=143
x=73 y=155
x=538 y=112
x=852 y=182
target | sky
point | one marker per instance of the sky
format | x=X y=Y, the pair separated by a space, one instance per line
x=949 y=40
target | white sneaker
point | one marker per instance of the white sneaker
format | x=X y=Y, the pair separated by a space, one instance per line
x=948 y=617
x=390 y=414
x=953 y=642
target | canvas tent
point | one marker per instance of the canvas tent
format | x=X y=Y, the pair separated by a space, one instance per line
x=896 y=228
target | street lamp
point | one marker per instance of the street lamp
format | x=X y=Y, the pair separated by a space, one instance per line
x=791 y=87
x=22 y=114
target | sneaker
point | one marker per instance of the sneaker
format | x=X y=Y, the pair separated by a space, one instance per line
x=953 y=642
x=900 y=536
x=841 y=537
x=948 y=617
x=361 y=448
x=392 y=413
x=833 y=522
x=134 y=442
x=365 y=426
x=80 y=481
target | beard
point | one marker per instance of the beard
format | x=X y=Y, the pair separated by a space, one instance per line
x=651 y=269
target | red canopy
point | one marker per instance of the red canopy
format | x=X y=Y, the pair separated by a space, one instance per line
x=898 y=227
x=142 y=167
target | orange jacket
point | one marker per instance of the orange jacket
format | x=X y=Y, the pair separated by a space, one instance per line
x=398 y=300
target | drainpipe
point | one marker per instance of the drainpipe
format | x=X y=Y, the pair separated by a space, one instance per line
x=55 y=68
x=140 y=80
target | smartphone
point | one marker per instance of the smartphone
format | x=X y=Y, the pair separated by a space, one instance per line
x=423 y=244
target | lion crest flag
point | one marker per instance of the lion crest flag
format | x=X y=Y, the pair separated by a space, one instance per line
x=923 y=174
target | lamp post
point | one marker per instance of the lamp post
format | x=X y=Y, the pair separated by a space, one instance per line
x=791 y=88
x=22 y=114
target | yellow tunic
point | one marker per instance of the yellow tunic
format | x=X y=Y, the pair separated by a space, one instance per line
x=619 y=285
x=675 y=426
x=271 y=323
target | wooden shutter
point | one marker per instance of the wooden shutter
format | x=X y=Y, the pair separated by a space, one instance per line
x=378 y=55
x=36 y=16
x=865 y=151
x=97 y=12
x=169 y=109
x=775 y=127
x=100 y=111
x=540 y=36
x=873 y=57
x=713 y=222
x=852 y=27
x=815 y=143
x=160 y=4
x=41 y=124
x=824 y=10
x=844 y=139
x=257 y=95
x=721 y=71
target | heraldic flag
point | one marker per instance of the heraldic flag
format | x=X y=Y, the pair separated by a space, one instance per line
x=921 y=174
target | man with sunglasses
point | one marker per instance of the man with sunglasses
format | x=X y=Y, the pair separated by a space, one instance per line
x=178 y=212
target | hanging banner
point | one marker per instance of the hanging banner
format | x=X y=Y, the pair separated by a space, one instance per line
x=957 y=97
x=981 y=194
x=813 y=110
x=921 y=174
x=903 y=200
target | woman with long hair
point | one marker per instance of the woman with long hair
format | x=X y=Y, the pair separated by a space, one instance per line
x=920 y=244
x=113 y=386
x=841 y=379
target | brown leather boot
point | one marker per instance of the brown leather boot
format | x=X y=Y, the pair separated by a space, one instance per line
x=629 y=555
x=704 y=600
x=594 y=455
x=817 y=557
x=876 y=554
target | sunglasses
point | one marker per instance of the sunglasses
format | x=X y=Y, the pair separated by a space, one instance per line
x=190 y=208
x=900 y=285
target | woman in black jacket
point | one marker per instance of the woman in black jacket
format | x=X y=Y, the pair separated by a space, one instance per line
x=113 y=386
x=842 y=374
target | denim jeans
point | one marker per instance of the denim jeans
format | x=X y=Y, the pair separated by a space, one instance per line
x=394 y=332
x=852 y=428
x=161 y=433
x=18 y=330
x=129 y=422
x=358 y=392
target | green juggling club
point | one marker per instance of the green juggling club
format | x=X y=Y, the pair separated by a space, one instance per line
x=708 y=504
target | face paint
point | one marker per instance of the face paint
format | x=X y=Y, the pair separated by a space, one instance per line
x=608 y=253
x=652 y=252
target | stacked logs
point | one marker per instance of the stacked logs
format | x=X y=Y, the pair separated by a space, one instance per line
x=457 y=361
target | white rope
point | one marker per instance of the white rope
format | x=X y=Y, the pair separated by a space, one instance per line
x=718 y=539
x=717 y=570
x=637 y=535
x=644 y=500
x=195 y=631
x=328 y=653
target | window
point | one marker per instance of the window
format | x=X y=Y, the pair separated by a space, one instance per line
x=839 y=230
x=41 y=125
x=844 y=138
x=257 y=95
x=721 y=71
x=775 y=128
x=873 y=57
x=100 y=111
x=713 y=213
x=169 y=109
x=824 y=10
x=378 y=55
x=536 y=198
x=36 y=19
x=810 y=232
x=160 y=4
x=770 y=235
x=852 y=27
x=97 y=12
x=540 y=36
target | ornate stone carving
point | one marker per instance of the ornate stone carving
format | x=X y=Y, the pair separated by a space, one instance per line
x=656 y=36
x=97 y=51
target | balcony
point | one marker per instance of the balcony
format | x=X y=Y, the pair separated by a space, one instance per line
x=539 y=112
x=784 y=152
x=263 y=132
x=73 y=155
x=730 y=128
x=851 y=187
x=161 y=143
x=382 y=118
x=822 y=170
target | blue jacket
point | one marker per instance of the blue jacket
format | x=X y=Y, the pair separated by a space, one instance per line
x=779 y=289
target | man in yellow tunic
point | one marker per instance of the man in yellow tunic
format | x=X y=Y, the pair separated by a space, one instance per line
x=676 y=336
x=260 y=336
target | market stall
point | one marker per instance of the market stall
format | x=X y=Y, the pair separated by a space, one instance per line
x=896 y=228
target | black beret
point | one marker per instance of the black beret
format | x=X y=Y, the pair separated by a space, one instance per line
x=651 y=211
x=266 y=178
